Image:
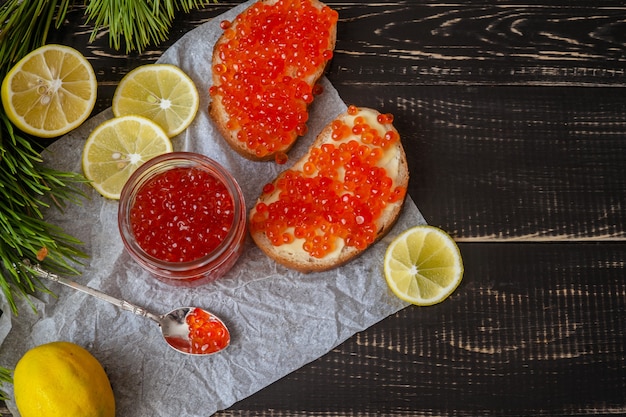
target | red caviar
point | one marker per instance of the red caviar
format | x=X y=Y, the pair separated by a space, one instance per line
x=206 y=333
x=42 y=253
x=281 y=158
x=181 y=214
x=340 y=192
x=262 y=68
x=182 y=217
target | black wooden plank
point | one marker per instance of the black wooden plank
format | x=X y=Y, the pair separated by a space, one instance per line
x=485 y=43
x=431 y=43
x=534 y=329
x=509 y=162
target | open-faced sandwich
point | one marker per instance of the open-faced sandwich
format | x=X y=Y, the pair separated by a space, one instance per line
x=265 y=68
x=338 y=199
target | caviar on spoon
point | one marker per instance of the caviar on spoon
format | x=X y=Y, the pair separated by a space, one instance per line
x=189 y=330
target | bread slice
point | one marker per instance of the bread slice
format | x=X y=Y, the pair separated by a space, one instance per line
x=265 y=67
x=338 y=199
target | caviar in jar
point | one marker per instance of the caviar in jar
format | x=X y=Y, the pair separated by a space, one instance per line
x=182 y=217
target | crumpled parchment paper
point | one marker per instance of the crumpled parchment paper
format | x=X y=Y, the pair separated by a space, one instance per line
x=279 y=319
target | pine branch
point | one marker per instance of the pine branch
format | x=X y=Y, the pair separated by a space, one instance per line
x=5 y=377
x=27 y=188
x=25 y=26
x=136 y=23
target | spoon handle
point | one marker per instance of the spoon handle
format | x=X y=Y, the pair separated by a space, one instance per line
x=124 y=305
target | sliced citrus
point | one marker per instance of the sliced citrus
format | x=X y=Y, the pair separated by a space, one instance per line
x=161 y=92
x=423 y=265
x=50 y=91
x=117 y=147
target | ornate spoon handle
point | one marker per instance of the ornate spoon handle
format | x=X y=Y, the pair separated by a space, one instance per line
x=124 y=305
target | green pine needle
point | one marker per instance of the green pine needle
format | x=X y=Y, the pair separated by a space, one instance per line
x=137 y=23
x=25 y=26
x=5 y=377
x=27 y=189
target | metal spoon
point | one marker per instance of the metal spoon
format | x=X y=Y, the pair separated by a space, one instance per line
x=174 y=327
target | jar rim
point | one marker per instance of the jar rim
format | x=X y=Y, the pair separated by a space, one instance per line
x=163 y=163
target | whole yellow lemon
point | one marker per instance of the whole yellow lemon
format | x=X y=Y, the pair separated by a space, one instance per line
x=62 y=379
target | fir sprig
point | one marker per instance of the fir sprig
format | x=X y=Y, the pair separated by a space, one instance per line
x=25 y=26
x=137 y=23
x=27 y=188
x=5 y=377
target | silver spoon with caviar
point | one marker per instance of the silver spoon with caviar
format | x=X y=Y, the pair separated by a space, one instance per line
x=189 y=330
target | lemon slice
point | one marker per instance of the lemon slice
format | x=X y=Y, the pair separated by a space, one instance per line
x=423 y=265
x=161 y=92
x=50 y=91
x=117 y=147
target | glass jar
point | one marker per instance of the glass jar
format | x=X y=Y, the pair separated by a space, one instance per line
x=182 y=217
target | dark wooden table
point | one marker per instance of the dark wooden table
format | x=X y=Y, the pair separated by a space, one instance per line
x=513 y=115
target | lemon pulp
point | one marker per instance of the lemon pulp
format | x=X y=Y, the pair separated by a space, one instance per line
x=117 y=147
x=162 y=93
x=423 y=265
x=50 y=91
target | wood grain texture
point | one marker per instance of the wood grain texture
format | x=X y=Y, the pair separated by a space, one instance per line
x=525 y=334
x=513 y=163
x=485 y=44
x=434 y=43
x=513 y=116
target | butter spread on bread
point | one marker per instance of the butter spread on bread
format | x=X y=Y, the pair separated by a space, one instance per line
x=265 y=66
x=338 y=199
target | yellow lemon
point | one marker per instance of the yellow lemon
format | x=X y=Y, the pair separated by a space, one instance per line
x=117 y=147
x=50 y=91
x=423 y=265
x=62 y=379
x=162 y=93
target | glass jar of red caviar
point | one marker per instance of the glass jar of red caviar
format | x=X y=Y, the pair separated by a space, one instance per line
x=182 y=217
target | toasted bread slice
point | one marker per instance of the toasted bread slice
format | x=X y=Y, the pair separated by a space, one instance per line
x=338 y=199
x=265 y=67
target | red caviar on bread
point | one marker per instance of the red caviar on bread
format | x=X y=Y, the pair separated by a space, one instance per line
x=338 y=199
x=265 y=68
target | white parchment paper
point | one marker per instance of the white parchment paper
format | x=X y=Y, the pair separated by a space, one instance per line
x=280 y=320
